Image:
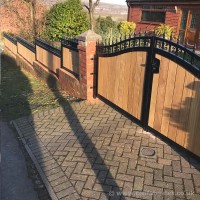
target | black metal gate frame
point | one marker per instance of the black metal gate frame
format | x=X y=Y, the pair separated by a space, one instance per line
x=180 y=54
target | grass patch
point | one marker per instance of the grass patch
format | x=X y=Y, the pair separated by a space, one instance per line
x=23 y=94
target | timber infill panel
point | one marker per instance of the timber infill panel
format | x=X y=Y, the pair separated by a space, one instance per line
x=48 y=55
x=70 y=55
x=11 y=43
x=115 y=75
x=164 y=94
x=175 y=105
x=26 y=53
x=26 y=50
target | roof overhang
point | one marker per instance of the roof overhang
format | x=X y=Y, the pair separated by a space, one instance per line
x=164 y=2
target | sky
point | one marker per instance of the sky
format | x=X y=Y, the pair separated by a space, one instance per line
x=123 y=2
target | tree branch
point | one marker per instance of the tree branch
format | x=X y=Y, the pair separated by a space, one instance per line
x=87 y=7
x=96 y=3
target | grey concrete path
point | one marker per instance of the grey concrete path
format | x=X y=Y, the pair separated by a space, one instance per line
x=93 y=152
x=15 y=184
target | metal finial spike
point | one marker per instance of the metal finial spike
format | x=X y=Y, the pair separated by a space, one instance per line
x=140 y=32
x=186 y=42
x=107 y=41
x=164 y=34
x=178 y=40
x=129 y=36
x=171 y=36
x=134 y=33
x=194 y=48
x=154 y=31
x=145 y=33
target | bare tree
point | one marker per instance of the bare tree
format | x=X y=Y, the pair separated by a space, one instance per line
x=29 y=24
x=32 y=7
x=91 y=7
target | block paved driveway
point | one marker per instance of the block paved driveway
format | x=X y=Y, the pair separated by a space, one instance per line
x=92 y=152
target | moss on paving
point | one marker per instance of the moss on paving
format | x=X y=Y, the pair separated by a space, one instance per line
x=23 y=94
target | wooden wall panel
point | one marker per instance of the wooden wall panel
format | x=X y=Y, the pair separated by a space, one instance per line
x=192 y=140
x=49 y=60
x=120 y=80
x=26 y=53
x=71 y=60
x=12 y=47
x=175 y=107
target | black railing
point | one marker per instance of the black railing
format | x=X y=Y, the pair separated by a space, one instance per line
x=166 y=47
x=178 y=52
x=27 y=44
x=70 y=43
x=124 y=45
x=10 y=38
x=48 y=47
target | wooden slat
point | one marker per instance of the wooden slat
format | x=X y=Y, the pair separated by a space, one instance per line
x=195 y=145
x=131 y=86
x=176 y=103
x=101 y=71
x=137 y=84
x=182 y=132
x=141 y=84
x=192 y=141
x=154 y=97
x=114 y=78
x=168 y=97
x=164 y=65
x=127 y=81
x=117 y=81
x=121 y=80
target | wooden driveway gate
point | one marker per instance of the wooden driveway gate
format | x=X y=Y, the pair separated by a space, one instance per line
x=156 y=82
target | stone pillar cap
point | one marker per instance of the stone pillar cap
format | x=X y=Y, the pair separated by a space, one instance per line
x=89 y=36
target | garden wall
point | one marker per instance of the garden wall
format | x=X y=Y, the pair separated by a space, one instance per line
x=72 y=65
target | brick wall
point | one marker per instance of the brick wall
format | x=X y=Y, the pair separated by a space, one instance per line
x=135 y=14
x=172 y=18
x=81 y=86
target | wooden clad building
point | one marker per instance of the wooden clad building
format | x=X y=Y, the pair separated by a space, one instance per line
x=183 y=15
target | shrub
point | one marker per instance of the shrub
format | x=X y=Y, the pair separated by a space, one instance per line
x=107 y=28
x=165 y=29
x=127 y=28
x=66 y=19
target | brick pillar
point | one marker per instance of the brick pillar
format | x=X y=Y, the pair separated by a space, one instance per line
x=87 y=51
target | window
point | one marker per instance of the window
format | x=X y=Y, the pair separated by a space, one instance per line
x=194 y=20
x=153 y=14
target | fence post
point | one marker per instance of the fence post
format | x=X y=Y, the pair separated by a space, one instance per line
x=87 y=60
